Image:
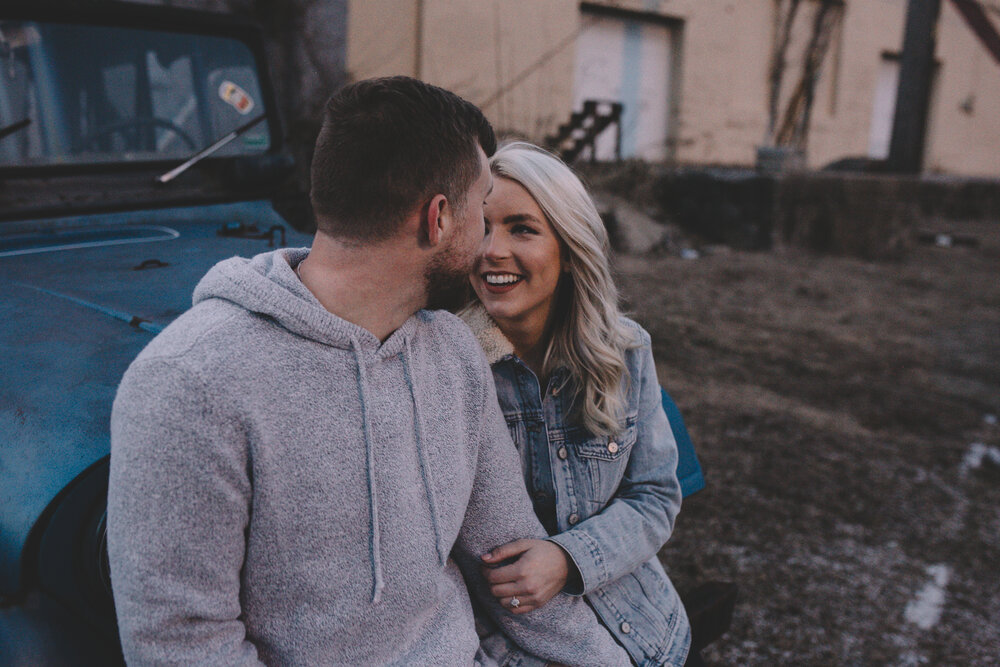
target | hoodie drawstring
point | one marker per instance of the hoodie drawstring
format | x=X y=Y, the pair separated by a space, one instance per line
x=375 y=549
x=425 y=469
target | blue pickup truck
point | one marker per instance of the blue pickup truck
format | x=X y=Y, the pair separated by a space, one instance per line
x=139 y=145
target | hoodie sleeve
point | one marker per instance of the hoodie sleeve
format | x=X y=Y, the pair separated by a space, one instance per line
x=565 y=630
x=178 y=506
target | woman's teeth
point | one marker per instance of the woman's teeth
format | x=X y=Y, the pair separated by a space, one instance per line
x=501 y=278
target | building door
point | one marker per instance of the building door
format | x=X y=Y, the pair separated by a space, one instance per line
x=627 y=60
x=883 y=109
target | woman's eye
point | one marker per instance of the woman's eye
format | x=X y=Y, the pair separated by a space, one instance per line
x=522 y=229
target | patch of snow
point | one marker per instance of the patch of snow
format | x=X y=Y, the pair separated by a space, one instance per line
x=912 y=659
x=978 y=452
x=924 y=611
x=990 y=420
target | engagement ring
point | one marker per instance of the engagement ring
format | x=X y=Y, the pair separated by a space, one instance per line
x=514 y=603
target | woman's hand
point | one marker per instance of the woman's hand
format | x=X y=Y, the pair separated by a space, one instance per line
x=540 y=571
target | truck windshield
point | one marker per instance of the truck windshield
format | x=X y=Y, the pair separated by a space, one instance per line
x=108 y=94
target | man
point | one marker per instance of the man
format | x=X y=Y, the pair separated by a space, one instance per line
x=297 y=458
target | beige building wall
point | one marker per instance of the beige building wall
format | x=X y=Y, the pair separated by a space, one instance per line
x=516 y=58
x=964 y=141
x=724 y=53
x=845 y=98
x=382 y=38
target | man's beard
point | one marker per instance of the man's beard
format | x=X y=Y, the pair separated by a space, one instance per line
x=447 y=281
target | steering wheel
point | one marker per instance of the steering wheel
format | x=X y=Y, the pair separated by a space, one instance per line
x=133 y=125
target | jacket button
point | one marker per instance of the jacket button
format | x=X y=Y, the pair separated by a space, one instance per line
x=613 y=447
x=574 y=518
x=626 y=628
x=562 y=453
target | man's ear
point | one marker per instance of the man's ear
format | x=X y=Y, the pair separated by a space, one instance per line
x=437 y=219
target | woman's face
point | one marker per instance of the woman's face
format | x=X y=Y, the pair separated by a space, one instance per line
x=520 y=259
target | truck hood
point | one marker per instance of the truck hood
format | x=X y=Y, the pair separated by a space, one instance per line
x=79 y=298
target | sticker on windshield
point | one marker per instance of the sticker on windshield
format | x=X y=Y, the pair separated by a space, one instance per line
x=235 y=97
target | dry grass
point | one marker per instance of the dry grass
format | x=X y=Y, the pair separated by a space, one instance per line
x=832 y=402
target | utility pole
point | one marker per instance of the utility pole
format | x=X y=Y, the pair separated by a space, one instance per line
x=916 y=70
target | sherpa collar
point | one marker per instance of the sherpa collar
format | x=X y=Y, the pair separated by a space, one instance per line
x=491 y=339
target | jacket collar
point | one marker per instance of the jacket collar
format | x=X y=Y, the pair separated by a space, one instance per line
x=495 y=345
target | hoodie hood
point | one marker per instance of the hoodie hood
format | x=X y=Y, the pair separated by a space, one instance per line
x=267 y=285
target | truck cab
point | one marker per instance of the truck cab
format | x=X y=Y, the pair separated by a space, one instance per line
x=139 y=145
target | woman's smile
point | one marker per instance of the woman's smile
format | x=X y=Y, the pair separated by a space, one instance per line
x=498 y=283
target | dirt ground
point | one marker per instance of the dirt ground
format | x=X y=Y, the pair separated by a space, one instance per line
x=845 y=416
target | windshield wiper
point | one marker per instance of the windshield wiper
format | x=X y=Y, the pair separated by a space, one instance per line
x=205 y=152
x=14 y=127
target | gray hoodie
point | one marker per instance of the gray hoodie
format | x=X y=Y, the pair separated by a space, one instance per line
x=286 y=488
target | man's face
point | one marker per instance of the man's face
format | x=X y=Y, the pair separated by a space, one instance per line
x=447 y=273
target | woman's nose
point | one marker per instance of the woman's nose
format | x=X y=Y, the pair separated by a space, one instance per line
x=494 y=246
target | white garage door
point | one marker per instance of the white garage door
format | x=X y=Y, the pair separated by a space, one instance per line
x=627 y=61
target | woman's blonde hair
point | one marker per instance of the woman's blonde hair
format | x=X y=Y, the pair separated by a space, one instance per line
x=588 y=335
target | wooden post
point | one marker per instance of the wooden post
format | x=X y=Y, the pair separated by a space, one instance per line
x=916 y=71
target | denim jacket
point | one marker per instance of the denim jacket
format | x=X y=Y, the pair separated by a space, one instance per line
x=610 y=503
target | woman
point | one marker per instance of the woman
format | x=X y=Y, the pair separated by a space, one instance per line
x=577 y=385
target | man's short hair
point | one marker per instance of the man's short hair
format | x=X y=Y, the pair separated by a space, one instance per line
x=387 y=146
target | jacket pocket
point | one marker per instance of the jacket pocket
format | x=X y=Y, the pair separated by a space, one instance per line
x=519 y=434
x=604 y=461
x=515 y=425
